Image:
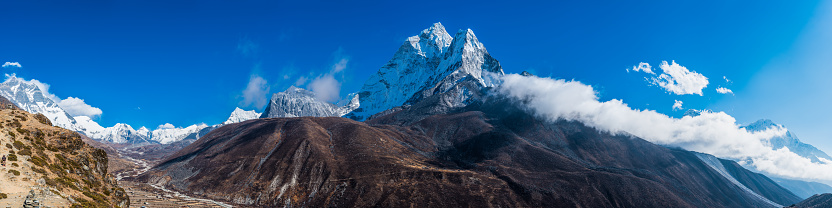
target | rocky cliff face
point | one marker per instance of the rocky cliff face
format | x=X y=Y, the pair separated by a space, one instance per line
x=53 y=161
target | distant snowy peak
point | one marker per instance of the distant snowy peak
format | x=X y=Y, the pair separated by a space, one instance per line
x=167 y=135
x=762 y=124
x=789 y=140
x=240 y=115
x=118 y=133
x=298 y=102
x=431 y=63
x=29 y=97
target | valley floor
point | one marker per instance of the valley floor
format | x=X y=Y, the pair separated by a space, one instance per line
x=144 y=195
x=147 y=196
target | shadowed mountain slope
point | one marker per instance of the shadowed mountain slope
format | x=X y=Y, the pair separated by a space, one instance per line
x=484 y=155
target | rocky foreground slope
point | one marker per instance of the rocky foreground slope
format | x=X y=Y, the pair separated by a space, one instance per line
x=52 y=165
x=484 y=155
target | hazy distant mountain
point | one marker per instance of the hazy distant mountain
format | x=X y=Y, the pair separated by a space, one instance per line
x=803 y=189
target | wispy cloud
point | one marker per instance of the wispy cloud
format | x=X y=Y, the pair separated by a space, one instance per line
x=256 y=92
x=675 y=78
x=645 y=67
x=715 y=133
x=722 y=90
x=677 y=105
x=325 y=86
x=12 y=65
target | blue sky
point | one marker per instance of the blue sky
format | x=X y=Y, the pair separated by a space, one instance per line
x=189 y=62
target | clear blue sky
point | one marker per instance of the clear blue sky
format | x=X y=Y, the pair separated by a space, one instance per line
x=186 y=62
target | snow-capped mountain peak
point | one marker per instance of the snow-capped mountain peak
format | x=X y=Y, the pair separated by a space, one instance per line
x=29 y=97
x=432 y=42
x=240 y=115
x=437 y=64
x=166 y=134
x=789 y=140
x=298 y=102
x=118 y=133
x=761 y=125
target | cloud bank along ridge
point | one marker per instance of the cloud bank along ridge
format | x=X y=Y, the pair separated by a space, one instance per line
x=715 y=133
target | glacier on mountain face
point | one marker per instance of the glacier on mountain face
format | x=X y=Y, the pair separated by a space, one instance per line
x=429 y=64
x=789 y=140
x=298 y=102
x=240 y=115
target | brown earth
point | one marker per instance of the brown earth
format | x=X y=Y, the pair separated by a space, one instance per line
x=491 y=155
x=55 y=163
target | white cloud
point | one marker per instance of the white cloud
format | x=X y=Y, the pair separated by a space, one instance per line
x=676 y=78
x=77 y=107
x=715 y=133
x=255 y=92
x=326 y=88
x=726 y=79
x=677 y=105
x=643 y=67
x=722 y=90
x=12 y=65
x=340 y=65
x=166 y=126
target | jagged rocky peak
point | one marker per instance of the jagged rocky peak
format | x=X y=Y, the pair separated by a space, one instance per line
x=298 y=102
x=431 y=42
x=240 y=115
x=429 y=64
